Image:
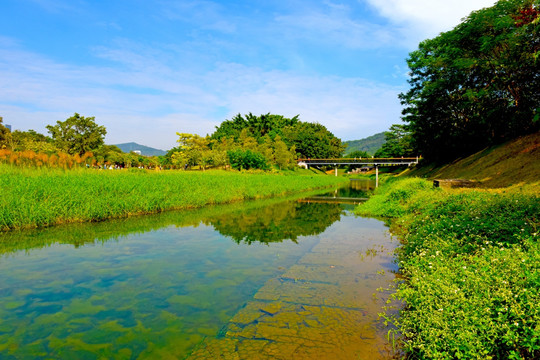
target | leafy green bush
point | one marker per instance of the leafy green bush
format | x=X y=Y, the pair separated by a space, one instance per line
x=247 y=159
x=471 y=260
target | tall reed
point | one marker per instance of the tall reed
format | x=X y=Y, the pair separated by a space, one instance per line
x=38 y=197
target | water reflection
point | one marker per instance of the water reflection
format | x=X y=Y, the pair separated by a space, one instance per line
x=272 y=220
x=367 y=185
x=278 y=222
x=356 y=191
x=262 y=221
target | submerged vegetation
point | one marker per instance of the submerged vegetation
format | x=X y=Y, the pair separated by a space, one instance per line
x=43 y=197
x=471 y=262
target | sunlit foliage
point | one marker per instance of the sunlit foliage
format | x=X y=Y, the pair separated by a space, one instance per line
x=471 y=262
x=476 y=85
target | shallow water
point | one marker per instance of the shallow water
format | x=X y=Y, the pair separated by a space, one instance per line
x=276 y=279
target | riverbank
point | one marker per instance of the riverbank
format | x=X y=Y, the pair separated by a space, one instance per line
x=34 y=198
x=514 y=162
x=471 y=263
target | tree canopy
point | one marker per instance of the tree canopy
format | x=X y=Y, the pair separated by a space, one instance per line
x=476 y=85
x=257 y=126
x=77 y=134
x=249 y=141
x=311 y=140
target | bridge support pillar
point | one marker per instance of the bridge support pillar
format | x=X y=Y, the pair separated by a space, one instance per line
x=376 y=176
x=335 y=169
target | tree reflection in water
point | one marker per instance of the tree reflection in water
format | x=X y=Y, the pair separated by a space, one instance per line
x=261 y=221
x=278 y=222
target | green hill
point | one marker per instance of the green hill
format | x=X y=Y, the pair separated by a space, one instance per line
x=514 y=162
x=370 y=144
x=145 y=150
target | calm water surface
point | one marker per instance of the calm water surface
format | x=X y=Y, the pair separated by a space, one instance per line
x=277 y=279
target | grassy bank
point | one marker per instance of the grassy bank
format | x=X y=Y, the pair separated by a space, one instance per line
x=514 y=162
x=471 y=262
x=42 y=197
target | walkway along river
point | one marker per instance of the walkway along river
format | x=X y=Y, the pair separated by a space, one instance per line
x=277 y=279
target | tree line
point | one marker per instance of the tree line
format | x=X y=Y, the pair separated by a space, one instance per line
x=474 y=86
x=244 y=142
x=260 y=142
x=77 y=141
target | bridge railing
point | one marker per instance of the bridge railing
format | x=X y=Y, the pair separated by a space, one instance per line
x=361 y=161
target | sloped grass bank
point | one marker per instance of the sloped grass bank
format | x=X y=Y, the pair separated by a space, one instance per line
x=514 y=162
x=42 y=197
x=471 y=262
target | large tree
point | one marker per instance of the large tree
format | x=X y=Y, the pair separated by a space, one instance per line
x=308 y=139
x=194 y=150
x=77 y=134
x=476 y=85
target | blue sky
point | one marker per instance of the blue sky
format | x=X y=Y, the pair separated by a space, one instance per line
x=149 y=69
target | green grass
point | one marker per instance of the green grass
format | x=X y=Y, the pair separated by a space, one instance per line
x=34 y=198
x=471 y=263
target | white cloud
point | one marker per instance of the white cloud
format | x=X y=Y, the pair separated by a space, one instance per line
x=334 y=25
x=349 y=107
x=149 y=104
x=422 y=19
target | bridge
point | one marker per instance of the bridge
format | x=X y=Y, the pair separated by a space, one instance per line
x=362 y=162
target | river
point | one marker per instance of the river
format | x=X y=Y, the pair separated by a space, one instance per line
x=275 y=279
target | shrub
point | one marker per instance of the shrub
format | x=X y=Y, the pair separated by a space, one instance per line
x=247 y=159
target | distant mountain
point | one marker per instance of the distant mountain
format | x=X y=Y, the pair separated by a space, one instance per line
x=370 y=144
x=145 y=150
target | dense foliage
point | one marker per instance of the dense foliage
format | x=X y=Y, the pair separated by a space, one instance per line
x=242 y=153
x=43 y=197
x=257 y=126
x=246 y=159
x=77 y=141
x=5 y=135
x=398 y=143
x=357 y=154
x=253 y=142
x=309 y=140
x=476 y=85
x=471 y=260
